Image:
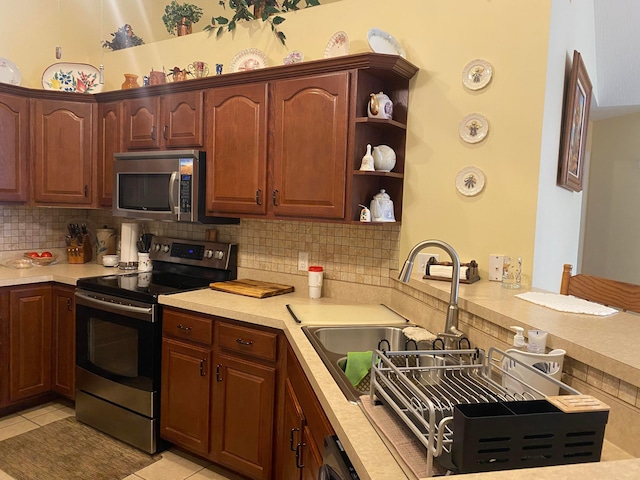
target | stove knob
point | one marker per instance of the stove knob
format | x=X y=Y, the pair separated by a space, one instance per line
x=165 y=248
x=219 y=255
x=156 y=247
x=208 y=253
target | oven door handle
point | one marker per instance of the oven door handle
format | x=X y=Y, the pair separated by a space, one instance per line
x=143 y=313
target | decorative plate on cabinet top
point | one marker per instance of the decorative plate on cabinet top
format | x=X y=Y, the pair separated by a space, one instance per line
x=295 y=56
x=9 y=72
x=337 y=46
x=72 y=77
x=383 y=42
x=473 y=128
x=470 y=181
x=477 y=74
x=248 y=59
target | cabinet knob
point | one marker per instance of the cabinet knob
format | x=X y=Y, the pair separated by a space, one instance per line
x=183 y=327
x=275 y=197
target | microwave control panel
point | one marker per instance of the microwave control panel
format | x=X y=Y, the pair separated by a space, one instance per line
x=186 y=184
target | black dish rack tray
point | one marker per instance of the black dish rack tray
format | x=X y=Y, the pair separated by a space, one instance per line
x=457 y=406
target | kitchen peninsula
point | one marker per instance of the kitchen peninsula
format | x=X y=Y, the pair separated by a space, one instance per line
x=486 y=310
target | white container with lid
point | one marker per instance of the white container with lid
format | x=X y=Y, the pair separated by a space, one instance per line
x=315 y=281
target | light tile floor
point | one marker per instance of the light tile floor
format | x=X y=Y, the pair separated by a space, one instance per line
x=174 y=465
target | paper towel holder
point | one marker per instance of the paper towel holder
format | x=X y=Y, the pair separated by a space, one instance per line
x=470 y=277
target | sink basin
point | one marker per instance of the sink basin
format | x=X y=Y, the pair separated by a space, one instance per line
x=334 y=342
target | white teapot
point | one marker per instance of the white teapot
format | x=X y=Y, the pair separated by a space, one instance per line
x=382 y=208
x=380 y=106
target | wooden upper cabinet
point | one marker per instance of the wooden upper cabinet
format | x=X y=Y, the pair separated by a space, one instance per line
x=14 y=139
x=309 y=151
x=109 y=142
x=236 y=132
x=63 y=151
x=169 y=121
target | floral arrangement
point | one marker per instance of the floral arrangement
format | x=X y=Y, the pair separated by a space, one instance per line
x=123 y=38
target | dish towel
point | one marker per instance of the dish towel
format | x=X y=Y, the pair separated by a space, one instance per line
x=358 y=366
x=566 y=303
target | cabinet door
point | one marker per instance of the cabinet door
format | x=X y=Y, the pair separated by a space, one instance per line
x=63 y=133
x=141 y=123
x=29 y=342
x=63 y=360
x=291 y=438
x=310 y=456
x=182 y=117
x=237 y=149
x=14 y=138
x=185 y=395
x=109 y=142
x=310 y=126
x=4 y=344
x=242 y=416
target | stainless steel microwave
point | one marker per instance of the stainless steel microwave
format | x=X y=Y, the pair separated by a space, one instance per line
x=166 y=185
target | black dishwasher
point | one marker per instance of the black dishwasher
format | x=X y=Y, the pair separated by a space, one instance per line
x=335 y=463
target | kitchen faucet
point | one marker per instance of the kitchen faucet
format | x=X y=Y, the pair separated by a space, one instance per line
x=451 y=332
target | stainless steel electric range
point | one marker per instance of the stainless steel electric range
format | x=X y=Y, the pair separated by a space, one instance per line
x=119 y=336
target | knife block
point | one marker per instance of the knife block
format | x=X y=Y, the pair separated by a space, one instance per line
x=80 y=253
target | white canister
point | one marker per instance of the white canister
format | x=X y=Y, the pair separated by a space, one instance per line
x=315 y=281
x=144 y=262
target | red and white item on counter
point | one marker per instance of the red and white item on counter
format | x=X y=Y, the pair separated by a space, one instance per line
x=315 y=281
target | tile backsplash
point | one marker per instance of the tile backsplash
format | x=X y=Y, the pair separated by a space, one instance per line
x=355 y=253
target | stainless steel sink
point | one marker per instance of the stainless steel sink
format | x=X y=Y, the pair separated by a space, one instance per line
x=334 y=342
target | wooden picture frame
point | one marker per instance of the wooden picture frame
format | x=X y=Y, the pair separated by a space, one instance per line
x=574 y=126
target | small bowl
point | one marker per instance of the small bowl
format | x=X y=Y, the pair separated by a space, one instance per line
x=110 y=260
x=42 y=260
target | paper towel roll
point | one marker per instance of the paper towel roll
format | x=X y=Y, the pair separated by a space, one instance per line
x=128 y=242
x=446 y=271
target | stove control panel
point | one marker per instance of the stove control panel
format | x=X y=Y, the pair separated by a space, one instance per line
x=194 y=252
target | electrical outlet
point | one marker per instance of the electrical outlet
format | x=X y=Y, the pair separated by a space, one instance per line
x=421 y=260
x=495 y=267
x=303 y=261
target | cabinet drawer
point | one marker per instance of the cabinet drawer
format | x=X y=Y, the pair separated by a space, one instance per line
x=188 y=327
x=248 y=341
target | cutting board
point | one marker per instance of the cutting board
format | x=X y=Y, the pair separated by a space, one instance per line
x=252 y=288
x=345 y=315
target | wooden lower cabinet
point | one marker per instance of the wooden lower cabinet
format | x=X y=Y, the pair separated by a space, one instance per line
x=29 y=342
x=185 y=395
x=304 y=426
x=63 y=348
x=243 y=415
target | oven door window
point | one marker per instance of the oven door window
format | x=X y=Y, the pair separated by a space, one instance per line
x=144 y=191
x=117 y=347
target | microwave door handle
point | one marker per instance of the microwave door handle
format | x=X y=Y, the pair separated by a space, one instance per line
x=172 y=194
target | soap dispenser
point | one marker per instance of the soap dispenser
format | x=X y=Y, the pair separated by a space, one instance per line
x=518 y=338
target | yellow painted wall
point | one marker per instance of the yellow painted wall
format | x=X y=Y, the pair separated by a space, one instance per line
x=440 y=37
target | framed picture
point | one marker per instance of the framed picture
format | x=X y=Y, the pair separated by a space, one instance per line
x=574 y=126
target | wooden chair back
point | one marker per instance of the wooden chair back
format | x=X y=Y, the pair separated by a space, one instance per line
x=612 y=293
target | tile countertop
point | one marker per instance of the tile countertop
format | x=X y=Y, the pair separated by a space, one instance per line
x=365 y=448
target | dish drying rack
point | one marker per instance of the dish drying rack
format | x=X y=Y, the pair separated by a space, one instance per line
x=423 y=386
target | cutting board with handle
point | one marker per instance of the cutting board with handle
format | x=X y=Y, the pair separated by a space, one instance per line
x=252 y=288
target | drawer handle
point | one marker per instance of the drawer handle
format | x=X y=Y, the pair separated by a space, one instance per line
x=299 y=454
x=275 y=197
x=218 y=377
x=244 y=342
x=291 y=447
x=183 y=327
x=202 y=372
x=259 y=197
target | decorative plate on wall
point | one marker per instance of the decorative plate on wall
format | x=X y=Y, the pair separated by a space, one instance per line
x=337 y=46
x=72 y=77
x=248 y=59
x=477 y=74
x=9 y=72
x=470 y=181
x=473 y=128
x=295 y=56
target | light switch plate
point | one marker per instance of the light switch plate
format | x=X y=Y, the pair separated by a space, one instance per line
x=495 y=267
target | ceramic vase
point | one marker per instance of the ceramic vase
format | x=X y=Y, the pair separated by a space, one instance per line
x=130 y=81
